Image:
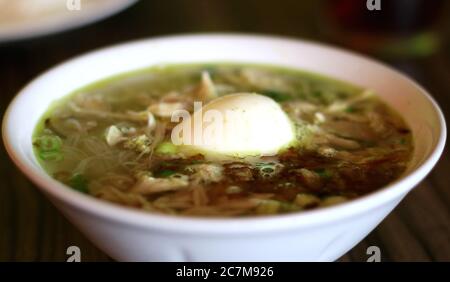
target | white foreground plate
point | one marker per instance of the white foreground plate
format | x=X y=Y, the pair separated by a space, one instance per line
x=22 y=19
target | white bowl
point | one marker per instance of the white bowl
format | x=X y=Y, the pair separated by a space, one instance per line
x=318 y=235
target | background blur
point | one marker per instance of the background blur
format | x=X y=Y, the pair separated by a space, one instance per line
x=411 y=35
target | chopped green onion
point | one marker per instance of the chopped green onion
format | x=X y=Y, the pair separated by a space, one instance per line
x=79 y=183
x=275 y=95
x=48 y=143
x=51 y=156
x=317 y=94
x=165 y=173
x=166 y=148
x=324 y=173
x=350 y=110
x=49 y=147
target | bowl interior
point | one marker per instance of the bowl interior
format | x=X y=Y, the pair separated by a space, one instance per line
x=405 y=96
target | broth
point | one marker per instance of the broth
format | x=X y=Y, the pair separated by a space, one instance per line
x=112 y=140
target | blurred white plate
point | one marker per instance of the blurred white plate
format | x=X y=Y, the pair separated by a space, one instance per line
x=21 y=19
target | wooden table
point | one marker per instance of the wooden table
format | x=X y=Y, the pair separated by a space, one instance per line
x=31 y=229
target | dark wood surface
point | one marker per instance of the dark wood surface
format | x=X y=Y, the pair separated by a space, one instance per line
x=31 y=229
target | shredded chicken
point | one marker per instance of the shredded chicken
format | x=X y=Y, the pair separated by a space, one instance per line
x=265 y=80
x=127 y=116
x=239 y=171
x=148 y=185
x=199 y=196
x=206 y=90
x=348 y=129
x=309 y=178
x=166 y=109
x=323 y=138
x=339 y=106
x=205 y=173
x=378 y=124
x=151 y=121
x=114 y=135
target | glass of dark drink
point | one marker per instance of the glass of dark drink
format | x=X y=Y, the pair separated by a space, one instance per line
x=397 y=28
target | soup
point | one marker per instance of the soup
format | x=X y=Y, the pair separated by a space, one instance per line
x=314 y=141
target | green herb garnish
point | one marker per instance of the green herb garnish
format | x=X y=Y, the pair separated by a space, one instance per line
x=49 y=147
x=79 y=183
x=275 y=95
x=165 y=173
x=324 y=173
